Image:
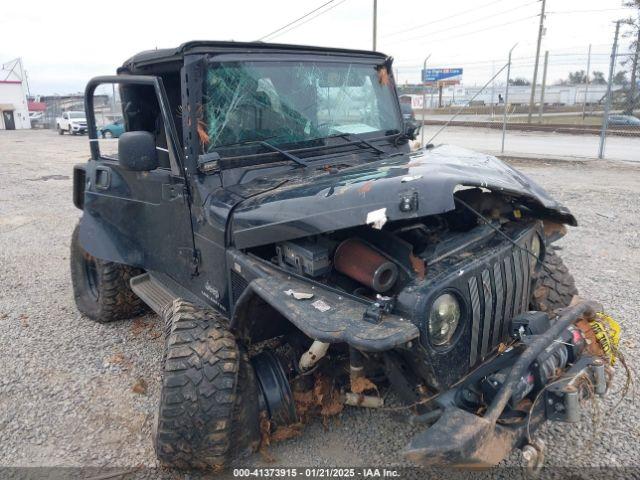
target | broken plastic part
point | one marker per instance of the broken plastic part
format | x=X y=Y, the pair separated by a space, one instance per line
x=313 y=355
x=298 y=295
x=359 y=400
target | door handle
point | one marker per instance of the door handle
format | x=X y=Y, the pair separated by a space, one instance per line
x=102 y=178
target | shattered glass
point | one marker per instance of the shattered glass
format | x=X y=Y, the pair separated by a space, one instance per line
x=291 y=102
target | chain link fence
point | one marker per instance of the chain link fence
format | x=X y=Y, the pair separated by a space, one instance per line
x=581 y=109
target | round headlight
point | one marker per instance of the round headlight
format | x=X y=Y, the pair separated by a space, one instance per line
x=443 y=319
x=536 y=249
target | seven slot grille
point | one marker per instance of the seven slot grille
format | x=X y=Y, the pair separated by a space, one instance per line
x=498 y=293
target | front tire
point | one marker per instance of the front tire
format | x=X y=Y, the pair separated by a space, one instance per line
x=101 y=289
x=208 y=402
x=553 y=286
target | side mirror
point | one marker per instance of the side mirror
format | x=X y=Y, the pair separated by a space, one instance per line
x=137 y=151
x=411 y=129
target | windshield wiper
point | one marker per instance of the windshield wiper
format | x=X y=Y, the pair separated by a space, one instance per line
x=350 y=136
x=290 y=156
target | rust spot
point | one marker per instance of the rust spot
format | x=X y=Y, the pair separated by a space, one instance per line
x=418 y=266
x=366 y=187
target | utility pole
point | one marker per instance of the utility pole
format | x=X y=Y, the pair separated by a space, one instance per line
x=535 y=66
x=375 y=24
x=544 y=84
x=506 y=100
x=586 y=86
x=424 y=99
x=607 y=104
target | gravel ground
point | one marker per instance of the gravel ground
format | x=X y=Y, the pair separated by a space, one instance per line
x=66 y=393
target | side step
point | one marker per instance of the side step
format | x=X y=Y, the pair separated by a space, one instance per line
x=152 y=292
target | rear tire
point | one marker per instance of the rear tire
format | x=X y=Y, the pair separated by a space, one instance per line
x=208 y=409
x=101 y=289
x=553 y=286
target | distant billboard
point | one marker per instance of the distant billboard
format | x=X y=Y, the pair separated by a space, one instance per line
x=443 y=76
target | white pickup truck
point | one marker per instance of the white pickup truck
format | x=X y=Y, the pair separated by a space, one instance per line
x=72 y=122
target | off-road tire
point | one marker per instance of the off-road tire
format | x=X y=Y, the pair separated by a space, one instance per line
x=553 y=286
x=101 y=289
x=208 y=401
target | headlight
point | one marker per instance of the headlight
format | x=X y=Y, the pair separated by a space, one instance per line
x=443 y=319
x=536 y=249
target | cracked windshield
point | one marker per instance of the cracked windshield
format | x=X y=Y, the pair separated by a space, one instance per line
x=288 y=103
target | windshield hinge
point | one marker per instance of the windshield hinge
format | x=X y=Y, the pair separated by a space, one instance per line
x=208 y=162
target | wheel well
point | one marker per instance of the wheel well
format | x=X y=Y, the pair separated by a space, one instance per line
x=254 y=320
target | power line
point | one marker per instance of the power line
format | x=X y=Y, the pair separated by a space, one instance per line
x=483 y=29
x=296 y=20
x=309 y=19
x=589 y=11
x=472 y=22
x=442 y=19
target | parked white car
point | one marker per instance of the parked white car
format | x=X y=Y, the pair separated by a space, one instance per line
x=72 y=122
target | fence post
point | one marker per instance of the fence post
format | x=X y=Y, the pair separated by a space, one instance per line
x=607 y=104
x=586 y=87
x=424 y=99
x=506 y=100
x=544 y=84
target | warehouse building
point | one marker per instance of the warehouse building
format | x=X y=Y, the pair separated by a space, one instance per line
x=14 y=111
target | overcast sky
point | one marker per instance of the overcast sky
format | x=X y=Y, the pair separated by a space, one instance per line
x=64 y=44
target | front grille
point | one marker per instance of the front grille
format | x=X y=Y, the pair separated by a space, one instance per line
x=498 y=293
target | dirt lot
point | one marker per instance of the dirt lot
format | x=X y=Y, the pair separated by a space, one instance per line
x=67 y=386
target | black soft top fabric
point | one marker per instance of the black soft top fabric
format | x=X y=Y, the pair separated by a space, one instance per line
x=168 y=55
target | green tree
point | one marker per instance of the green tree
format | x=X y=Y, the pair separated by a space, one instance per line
x=519 y=82
x=598 y=78
x=632 y=98
x=577 y=78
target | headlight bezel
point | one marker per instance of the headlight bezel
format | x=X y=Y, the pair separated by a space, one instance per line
x=459 y=327
x=534 y=264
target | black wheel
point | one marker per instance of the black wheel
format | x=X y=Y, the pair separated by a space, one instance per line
x=101 y=289
x=107 y=134
x=553 y=286
x=208 y=409
x=60 y=131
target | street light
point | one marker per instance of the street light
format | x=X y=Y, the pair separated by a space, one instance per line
x=424 y=100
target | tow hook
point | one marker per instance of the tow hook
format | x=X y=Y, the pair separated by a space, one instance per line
x=533 y=454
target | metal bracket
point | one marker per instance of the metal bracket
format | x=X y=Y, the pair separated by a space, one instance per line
x=191 y=257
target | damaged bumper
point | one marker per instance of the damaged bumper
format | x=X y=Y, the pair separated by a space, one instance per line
x=486 y=435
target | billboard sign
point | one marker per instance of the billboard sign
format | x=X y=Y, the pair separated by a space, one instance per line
x=452 y=76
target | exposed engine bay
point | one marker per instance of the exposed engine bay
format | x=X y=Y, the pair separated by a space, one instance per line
x=464 y=280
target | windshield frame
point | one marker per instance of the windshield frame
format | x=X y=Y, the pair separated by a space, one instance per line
x=374 y=61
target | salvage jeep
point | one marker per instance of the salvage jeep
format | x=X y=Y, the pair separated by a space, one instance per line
x=265 y=202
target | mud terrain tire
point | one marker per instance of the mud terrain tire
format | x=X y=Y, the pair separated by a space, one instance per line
x=101 y=289
x=553 y=286
x=208 y=401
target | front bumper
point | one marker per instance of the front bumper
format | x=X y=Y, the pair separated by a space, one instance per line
x=78 y=128
x=462 y=438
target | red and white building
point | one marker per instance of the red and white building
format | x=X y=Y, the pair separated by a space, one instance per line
x=14 y=110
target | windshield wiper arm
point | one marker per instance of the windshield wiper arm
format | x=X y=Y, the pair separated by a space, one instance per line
x=290 y=156
x=359 y=139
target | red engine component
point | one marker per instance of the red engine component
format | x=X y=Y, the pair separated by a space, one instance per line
x=358 y=261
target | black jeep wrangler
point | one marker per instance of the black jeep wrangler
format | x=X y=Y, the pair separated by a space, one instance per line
x=265 y=202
